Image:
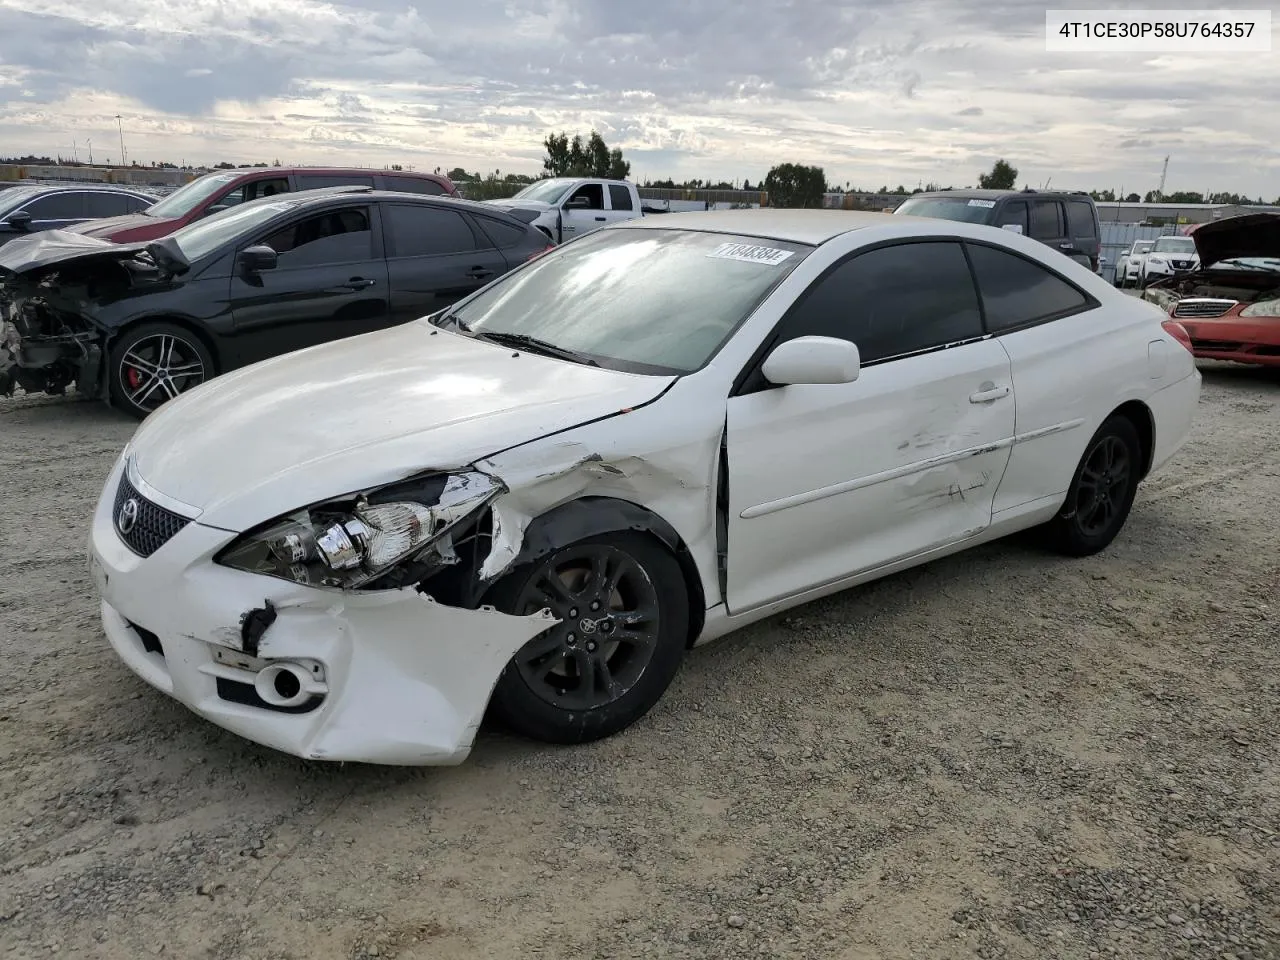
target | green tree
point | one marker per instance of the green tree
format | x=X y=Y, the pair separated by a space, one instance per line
x=1132 y=198
x=1103 y=196
x=1002 y=177
x=795 y=185
x=574 y=158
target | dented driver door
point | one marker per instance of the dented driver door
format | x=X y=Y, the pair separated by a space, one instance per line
x=830 y=480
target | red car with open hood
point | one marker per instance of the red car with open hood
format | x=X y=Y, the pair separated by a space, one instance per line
x=1230 y=307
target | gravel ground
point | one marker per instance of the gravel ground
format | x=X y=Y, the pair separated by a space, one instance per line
x=1003 y=754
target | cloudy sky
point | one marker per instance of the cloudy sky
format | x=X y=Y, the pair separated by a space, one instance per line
x=879 y=93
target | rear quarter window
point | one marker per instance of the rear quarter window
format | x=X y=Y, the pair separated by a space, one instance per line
x=1080 y=216
x=1017 y=292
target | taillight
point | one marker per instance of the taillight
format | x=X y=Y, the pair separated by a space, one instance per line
x=1179 y=333
x=536 y=254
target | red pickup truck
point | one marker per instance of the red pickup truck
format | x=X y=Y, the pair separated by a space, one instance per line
x=224 y=188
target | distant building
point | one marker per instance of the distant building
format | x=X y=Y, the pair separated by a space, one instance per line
x=1175 y=213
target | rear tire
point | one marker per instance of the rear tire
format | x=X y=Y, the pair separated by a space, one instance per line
x=1102 y=491
x=154 y=362
x=624 y=619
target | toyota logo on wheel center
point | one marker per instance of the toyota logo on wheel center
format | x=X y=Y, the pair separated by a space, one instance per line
x=128 y=515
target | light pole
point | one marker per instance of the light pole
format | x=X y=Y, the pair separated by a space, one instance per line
x=120 y=128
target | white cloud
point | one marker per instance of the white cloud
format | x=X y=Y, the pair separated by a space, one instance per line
x=883 y=93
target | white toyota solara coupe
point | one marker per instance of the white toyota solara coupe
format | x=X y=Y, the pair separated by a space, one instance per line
x=539 y=499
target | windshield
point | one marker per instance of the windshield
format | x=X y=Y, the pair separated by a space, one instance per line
x=548 y=191
x=646 y=301
x=948 y=208
x=1174 y=245
x=205 y=236
x=183 y=201
x=15 y=197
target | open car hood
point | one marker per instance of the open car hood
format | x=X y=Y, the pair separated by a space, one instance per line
x=1250 y=235
x=48 y=247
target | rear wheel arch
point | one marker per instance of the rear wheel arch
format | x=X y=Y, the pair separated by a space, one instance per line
x=1139 y=414
x=596 y=516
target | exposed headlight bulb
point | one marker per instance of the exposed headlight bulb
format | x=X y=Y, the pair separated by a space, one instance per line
x=342 y=545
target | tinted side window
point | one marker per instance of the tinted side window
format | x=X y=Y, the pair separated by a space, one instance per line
x=1080 y=217
x=620 y=197
x=314 y=181
x=335 y=236
x=106 y=204
x=593 y=193
x=1013 y=213
x=892 y=301
x=414 y=231
x=1016 y=292
x=502 y=234
x=414 y=185
x=1046 y=220
x=68 y=205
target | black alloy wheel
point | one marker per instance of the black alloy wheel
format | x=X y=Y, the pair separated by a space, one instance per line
x=154 y=363
x=623 y=611
x=1102 y=491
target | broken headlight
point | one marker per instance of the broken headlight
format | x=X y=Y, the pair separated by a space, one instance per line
x=352 y=542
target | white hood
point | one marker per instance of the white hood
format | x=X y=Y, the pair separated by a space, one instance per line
x=258 y=442
x=522 y=204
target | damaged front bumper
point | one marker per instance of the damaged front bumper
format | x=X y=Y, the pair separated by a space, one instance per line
x=388 y=676
x=47 y=362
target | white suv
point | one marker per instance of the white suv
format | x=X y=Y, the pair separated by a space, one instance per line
x=1169 y=257
x=1129 y=266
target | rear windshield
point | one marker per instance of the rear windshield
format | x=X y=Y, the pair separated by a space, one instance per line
x=1174 y=245
x=647 y=301
x=949 y=208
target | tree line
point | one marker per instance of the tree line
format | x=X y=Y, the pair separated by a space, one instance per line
x=787 y=184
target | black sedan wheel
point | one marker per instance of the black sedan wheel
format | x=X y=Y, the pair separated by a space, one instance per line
x=624 y=615
x=1102 y=490
x=154 y=363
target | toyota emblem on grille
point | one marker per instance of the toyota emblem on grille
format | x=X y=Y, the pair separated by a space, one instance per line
x=128 y=515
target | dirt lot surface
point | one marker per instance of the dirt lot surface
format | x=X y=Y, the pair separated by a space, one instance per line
x=1004 y=754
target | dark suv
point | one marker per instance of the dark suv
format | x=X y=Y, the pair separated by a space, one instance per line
x=226 y=188
x=1063 y=220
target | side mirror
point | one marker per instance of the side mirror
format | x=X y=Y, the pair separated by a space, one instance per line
x=20 y=221
x=216 y=208
x=257 y=258
x=577 y=203
x=812 y=360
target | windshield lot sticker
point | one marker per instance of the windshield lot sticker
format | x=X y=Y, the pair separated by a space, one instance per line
x=982 y=203
x=748 y=253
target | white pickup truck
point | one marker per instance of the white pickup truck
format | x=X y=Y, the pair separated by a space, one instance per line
x=568 y=207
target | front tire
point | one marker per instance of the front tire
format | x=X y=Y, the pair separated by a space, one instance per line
x=624 y=612
x=153 y=363
x=1102 y=491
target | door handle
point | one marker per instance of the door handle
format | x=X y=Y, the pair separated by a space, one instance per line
x=1067 y=246
x=599 y=219
x=359 y=283
x=479 y=273
x=986 y=396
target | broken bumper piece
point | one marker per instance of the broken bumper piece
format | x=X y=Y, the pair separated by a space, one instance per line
x=388 y=677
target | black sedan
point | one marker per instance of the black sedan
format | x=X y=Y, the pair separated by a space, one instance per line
x=141 y=323
x=28 y=208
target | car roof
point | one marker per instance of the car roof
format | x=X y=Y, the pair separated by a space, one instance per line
x=339 y=171
x=324 y=195
x=95 y=187
x=999 y=194
x=811 y=227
